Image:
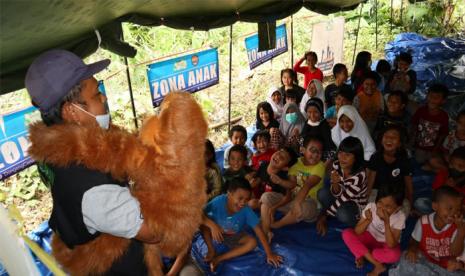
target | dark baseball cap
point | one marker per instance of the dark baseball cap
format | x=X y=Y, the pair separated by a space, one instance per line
x=52 y=75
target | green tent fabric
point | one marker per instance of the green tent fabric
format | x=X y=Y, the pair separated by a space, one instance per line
x=27 y=28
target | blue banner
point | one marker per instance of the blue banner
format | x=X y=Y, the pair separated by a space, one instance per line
x=191 y=73
x=255 y=57
x=14 y=141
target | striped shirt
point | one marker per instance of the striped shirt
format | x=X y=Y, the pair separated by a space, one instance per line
x=353 y=188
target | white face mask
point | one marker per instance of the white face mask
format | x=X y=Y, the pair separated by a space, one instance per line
x=102 y=120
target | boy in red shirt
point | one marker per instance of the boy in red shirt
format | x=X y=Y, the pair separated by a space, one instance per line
x=310 y=72
x=430 y=124
x=261 y=141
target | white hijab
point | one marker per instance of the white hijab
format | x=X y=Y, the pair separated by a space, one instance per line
x=277 y=108
x=360 y=130
x=320 y=93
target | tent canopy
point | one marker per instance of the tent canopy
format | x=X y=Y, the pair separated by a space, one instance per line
x=27 y=28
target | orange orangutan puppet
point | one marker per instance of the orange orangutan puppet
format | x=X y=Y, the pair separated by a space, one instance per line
x=166 y=164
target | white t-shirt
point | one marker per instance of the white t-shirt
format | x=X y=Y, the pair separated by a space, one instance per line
x=417 y=232
x=376 y=227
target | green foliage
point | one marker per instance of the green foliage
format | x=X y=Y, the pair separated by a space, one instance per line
x=24 y=185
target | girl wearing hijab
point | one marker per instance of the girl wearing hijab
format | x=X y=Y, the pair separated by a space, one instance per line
x=314 y=89
x=275 y=99
x=350 y=123
x=318 y=126
x=291 y=125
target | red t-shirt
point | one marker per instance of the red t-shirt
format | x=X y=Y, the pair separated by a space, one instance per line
x=260 y=158
x=308 y=76
x=440 y=180
x=429 y=128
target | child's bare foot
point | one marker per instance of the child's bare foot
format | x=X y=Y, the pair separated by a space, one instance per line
x=377 y=270
x=213 y=264
x=210 y=255
x=359 y=262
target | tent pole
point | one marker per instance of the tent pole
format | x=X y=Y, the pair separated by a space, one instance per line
x=391 y=12
x=292 y=41
x=401 y=12
x=358 y=30
x=376 y=24
x=230 y=74
x=128 y=75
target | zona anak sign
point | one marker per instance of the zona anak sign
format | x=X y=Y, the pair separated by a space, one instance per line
x=255 y=57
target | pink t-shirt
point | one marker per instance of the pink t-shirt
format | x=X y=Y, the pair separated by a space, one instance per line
x=376 y=227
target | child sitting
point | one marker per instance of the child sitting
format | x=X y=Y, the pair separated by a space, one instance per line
x=390 y=166
x=291 y=126
x=238 y=167
x=307 y=174
x=277 y=184
x=453 y=176
x=395 y=113
x=226 y=217
x=310 y=72
x=347 y=195
x=344 y=96
x=261 y=141
x=361 y=68
x=238 y=136
x=376 y=236
x=275 y=99
x=318 y=126
x=265 y=117
x=289 y=81
x=340 y=77
x=403 y=78
x=439 y=237
x=349 y=123
x=430 y=124
x=213 y=173
x=314 y=90
x=369 y=101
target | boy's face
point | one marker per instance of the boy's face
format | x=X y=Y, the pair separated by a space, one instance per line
x=238 y=138
x=457 y=164
x=340 y=101
x=394 y=105
x=264 y=116
x=276 y=97
x=286 y=79
x=461 y=125
x=346 y=123
x=388 y=204
x=312 y=152
x=238 y=199
x=391 y=140
x=280 y=159
x=448 y=208
x=236 y=161
x=262 y=144
x=369 y=86
x=343 y=76
x=403 y=66
x=313 y=114
x=291 y=100
x=435 y=100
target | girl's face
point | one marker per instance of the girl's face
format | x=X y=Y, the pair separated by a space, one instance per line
x=312 y=152
x=311 y=61
x=346 y=124
x=346 y=160
x=276 y=97
x=311 y=89
x=264 y=116
x=313 y=114
x=369 y=86
x=287 y=79
x=291 y=100
x=403 y=65
x=387 y=204
x=391 y=140
x=461 y=125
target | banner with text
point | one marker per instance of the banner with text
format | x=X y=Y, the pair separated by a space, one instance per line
x=14 y=141
x=255 y=57
x=191 y=72
x=327 y=43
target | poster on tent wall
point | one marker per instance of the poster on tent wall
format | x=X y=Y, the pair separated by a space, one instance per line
x=255 y=57
x=191 y=73
x=327 y=43
x=14 y=141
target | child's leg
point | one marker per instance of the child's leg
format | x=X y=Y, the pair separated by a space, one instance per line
x=306 y=210
x=387 y=255
x=359 y=245
x=267 y=200
x=207 y=237
x=254 y=203
x=246 y=243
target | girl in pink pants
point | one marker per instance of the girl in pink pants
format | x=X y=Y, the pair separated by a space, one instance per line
x=376 y=236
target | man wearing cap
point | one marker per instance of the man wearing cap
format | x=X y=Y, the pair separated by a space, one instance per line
x=85 y=202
